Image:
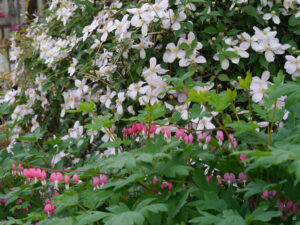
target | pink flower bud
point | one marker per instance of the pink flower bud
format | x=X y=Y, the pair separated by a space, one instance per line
x=43 y=177
x=170 y=186
x=234 y=141
x=208 y=178
x=140 y=127
x=265 y=195
x=163 y=185
x=180 y=133
x=75 y=178
x=126 y=131
x=48 y=209
x=153 y=130
x=295 y=209
x=13 y=169
x=243 y=157
x=191 y=138
x=155 y=179
x=20 y=169
x=103 y=179
x=59 y=177
x=220 y=135
x=47 y=201
x=96 y=182
x=162 y=130
x=26 y=173
x=53 y=177
x=186 y=139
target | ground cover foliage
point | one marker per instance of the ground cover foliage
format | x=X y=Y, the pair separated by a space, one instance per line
x=153 y=112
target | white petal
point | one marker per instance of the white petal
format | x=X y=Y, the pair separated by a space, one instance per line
x=267 y=16
x=200 y=59
x=176 y=26
x=269 y=56
x=144 y=30
x=225 y=64
x=142 y=53
x=265 y=75
x=276 y=19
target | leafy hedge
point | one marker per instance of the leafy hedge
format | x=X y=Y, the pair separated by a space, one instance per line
x=153 y=112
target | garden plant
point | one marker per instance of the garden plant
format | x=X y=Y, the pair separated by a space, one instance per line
x=168 y=112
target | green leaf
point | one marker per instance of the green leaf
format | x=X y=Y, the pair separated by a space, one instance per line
x=245 y=83
x=91 y=216
x=210 y=30
x=184 y=46
x=206 y=219
x=126 y=218
x=232 y=218
x=36 y=135
x=242 y=126
x=250 y=10
x=67 y=199
x=4 y=108
x=199 y=97
x=100 y=122
x=263 y=62
x=293 y=21
x=255 y=187
x=84 y=107
x=114 y=144
x=178 y=170
x=260 y=214
x=56 y=221
x=231 y=54
x=223 y=77
x=220 y=101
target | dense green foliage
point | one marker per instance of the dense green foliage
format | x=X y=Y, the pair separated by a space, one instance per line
x=169 y=112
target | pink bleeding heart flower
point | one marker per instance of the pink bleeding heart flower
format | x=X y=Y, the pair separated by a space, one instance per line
x=43 y=177
x=37 y=173
x=67 y=180
x=234 y=141
x=207 y=141
x=96 y=182
x=180 y=134
x=243 y=178
x=48 y=209
x=56 y=178
x=219 y=179
x=126 y=131
x=152 y=130
x=229 y=178
x=220 y=137
x=168 y=134
x=103 y=179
